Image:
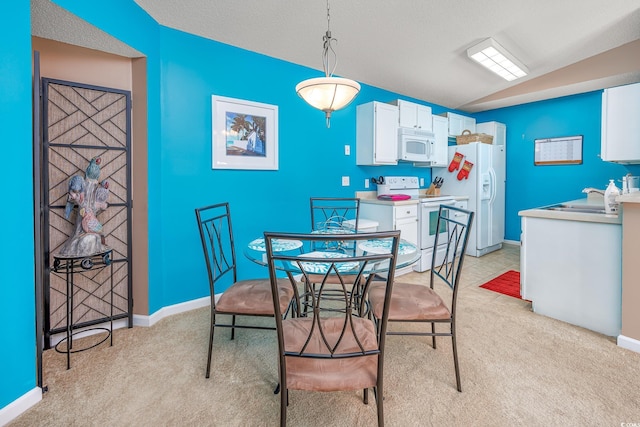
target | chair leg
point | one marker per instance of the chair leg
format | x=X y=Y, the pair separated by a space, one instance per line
x=233 y=326
x=433 y=336
x=365 y=397
x=455 y=360
x=284 y=401
x=213 y=321
x=379 y=399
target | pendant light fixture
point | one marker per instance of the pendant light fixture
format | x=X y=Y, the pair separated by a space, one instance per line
x=328 y=93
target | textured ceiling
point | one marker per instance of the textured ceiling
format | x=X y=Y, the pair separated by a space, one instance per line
x=417 y=48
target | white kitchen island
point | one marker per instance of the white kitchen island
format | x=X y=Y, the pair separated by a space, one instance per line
x=571 y=266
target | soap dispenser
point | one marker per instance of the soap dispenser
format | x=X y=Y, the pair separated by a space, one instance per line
x=610 y=194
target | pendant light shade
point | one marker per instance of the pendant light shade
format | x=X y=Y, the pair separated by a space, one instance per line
x=328 y=93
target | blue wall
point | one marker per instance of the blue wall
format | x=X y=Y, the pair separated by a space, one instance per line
x=184 y=71
x=529 y=186
x=17 y=291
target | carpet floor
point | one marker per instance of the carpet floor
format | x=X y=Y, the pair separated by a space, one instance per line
x=517 y=368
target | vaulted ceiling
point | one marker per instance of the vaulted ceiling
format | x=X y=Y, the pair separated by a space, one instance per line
x=417 y=48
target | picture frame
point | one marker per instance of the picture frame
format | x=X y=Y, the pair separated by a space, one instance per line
x=244 y=134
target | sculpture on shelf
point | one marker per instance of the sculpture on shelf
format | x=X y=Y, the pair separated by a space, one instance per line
x=90 y=196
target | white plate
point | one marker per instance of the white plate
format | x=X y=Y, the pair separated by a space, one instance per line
x=279 y=245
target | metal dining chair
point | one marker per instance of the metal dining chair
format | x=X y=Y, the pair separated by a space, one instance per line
x=251 y=297
x=422 y=304
x=334 y=215
x=334 y=346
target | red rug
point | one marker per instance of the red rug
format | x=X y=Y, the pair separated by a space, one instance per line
x=507 y=283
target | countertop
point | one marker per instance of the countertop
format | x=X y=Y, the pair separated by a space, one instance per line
x=371 y=197
x=629 y=198
x=575 y=216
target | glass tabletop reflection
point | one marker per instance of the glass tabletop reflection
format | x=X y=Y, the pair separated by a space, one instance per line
x=408 y=254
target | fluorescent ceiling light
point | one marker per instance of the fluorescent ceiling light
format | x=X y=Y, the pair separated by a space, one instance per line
x=496 y=58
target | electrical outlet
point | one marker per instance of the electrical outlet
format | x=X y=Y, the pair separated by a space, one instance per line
x=345 y=181
x=366 y=183
x=421 y=182
x=347 y=150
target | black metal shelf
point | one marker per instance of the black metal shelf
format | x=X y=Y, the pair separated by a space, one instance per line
x=70 y=266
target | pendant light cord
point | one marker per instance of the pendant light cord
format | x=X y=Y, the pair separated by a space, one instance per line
x=328 y=46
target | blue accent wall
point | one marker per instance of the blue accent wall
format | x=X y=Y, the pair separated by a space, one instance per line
x=529 y=186
x=17 y=291
x=183 y=72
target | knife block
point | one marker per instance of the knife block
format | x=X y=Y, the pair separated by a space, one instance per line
x=433 y=191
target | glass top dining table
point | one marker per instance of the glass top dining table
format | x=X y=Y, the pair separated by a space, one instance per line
x=408 y=252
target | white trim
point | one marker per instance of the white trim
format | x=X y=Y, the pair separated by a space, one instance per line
x=512 y=242
x=629 y=343
x=20 y=405
x=147 y=321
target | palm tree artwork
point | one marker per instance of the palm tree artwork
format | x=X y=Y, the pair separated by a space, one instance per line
x=245 y=135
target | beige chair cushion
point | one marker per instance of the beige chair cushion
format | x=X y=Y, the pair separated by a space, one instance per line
x=354 y=373
x=409 y=302
x=254 y=297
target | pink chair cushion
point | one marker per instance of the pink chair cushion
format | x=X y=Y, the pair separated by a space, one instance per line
x=354 y=373
x=253 y=296
x=409 y=302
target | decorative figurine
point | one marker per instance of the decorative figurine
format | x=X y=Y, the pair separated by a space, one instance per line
x=91 y=198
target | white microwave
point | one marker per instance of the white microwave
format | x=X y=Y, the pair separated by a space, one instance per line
x=415 y=145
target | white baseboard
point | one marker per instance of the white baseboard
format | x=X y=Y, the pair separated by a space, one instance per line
x=629 y=343
x=146 y=321
x=512 y=242
x=20 y=405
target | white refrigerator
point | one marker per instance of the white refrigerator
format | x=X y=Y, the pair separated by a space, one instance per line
x=485 y=187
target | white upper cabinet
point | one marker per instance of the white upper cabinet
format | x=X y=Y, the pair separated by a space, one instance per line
x=495 y=129
x=620 y=140
x=412 y=115
x=441 y=147
x=376 y=134
x=459 y=123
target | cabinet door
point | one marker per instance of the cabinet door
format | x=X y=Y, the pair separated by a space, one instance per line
x=495 y=129
x=385 y=146
x=423 y=118
x=620 y=141
x=440 y=149
x=408 y=229
x=455 y=124
x=458 y=123
x=376 y=134
x=468 y=123
x=406 y=220
x=415 y=116
x=408 y=113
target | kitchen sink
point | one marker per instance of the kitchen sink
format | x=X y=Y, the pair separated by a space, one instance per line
x=596 y=209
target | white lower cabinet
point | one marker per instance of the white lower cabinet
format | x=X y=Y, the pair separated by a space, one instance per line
x=394 y=217
x=570 y=270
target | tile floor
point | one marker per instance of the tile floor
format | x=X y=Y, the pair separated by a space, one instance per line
x=477 y=271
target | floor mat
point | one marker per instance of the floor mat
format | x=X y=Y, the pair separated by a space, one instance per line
x=507 y=283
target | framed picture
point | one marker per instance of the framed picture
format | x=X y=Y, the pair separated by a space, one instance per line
x=245 y=134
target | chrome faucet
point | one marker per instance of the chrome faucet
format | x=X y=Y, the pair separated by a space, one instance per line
x=590 y=190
